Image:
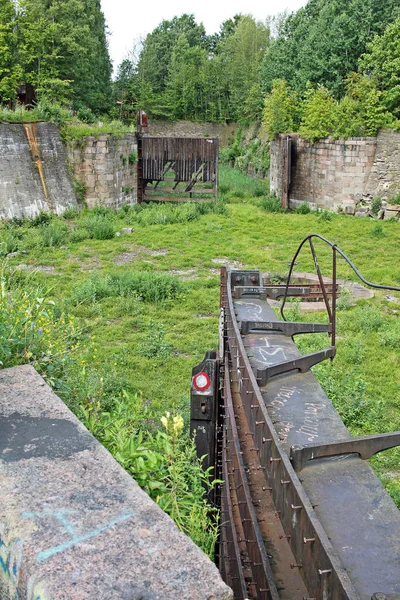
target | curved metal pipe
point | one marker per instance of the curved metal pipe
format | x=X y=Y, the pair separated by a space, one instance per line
x=343 y=255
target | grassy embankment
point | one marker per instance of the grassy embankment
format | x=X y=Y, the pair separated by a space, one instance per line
x=118 y=345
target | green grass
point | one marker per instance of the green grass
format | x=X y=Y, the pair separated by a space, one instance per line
x=146 y=344
x=75 y=131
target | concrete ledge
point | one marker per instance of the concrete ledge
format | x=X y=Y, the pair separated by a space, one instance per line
x=73 y=523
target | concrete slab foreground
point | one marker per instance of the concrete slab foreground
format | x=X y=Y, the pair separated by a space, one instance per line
x=73 y=524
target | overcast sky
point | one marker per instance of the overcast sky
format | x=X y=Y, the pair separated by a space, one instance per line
x=128 y=20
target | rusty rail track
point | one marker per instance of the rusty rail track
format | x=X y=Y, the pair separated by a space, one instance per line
x=302 y=515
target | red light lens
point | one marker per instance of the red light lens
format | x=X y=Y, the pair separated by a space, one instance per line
x=201 y=381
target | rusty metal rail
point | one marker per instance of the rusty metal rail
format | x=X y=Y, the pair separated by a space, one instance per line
x=303 y=516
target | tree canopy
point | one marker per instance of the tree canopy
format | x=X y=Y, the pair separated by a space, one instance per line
x=58 y=46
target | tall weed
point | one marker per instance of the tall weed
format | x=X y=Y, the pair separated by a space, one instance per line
x=150 y=287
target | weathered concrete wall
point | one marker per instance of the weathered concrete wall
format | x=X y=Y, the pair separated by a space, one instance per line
x=106 y=166
x=337 y=174
x=223 y=131
x=22 y=191
x=73 y=524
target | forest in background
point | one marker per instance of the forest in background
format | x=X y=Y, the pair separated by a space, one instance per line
x=331 y=68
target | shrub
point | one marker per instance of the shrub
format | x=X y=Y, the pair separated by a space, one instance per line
x=54 y=234
x=280 y=109
x=164 y=464
x=99 y=227
x=70 y=213
x=33 y=329
x=376 y=206
x=325 y=215
x=42 y=219
x=378 y=231
x=271 y=204
x=78 y=234
x=156 y=344
x=9 y=242
x=318 y=114
x=303 y=209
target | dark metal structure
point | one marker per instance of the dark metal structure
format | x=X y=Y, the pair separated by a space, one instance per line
x=303 y=515
x=177 y=169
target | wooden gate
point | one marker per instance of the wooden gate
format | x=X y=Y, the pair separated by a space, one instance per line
x=177 y=169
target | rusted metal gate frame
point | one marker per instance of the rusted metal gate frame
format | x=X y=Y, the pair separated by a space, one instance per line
x=320 y=566
x=190 y=159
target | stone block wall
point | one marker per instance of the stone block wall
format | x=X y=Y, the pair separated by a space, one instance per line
x=107 y=167
x=384 y=177
x=73 y=524
x=339 y=174
x=223 y=131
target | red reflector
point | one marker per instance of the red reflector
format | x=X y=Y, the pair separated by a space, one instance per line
x=201 y=381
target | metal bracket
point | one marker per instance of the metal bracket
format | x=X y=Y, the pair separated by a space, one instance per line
x=246 y=279
x=303 y=364
x=278 y=291
x=365 y=446
x=289 y=328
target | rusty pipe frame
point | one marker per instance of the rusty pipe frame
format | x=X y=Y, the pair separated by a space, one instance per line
x=335 y=250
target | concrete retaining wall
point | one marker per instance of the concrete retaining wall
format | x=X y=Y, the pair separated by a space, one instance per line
x=337 y=174
x=34 y=174
x=106 y=166
x=73 y=524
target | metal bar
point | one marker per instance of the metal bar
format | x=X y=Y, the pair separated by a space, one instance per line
x=303 y=364
x=288 y=328
x=334 y=297
x=365 y=446
x=321 y=280
x=275 y=291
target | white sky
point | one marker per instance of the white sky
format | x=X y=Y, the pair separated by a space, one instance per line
x=128 y=20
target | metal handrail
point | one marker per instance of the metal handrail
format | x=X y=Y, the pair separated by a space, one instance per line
x=330 y=310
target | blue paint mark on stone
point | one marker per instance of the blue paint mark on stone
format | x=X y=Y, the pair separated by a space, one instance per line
x=60 y=516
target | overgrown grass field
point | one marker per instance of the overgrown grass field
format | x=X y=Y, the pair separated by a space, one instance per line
x=116 y=322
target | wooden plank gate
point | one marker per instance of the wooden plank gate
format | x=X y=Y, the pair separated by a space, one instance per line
x=177 y=169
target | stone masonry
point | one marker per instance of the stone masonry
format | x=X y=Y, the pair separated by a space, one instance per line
x=73 y=524
x=107 y=167
x=340 y=174
x=223 y=131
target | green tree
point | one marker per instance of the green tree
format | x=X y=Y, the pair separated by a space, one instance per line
x=243 y=52
x=155 y=58
x=10 y=71
x=382 y=62
x=62 y=49
x=323 y=41
x=280 y=110
x=318 y=110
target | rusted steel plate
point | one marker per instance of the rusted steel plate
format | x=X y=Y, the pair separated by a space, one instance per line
x=320 y=567
x=351 y=525
x=265 y=587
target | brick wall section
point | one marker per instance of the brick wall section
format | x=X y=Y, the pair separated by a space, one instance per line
x=339 y=173
x=192 y=129
x=102 y=164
